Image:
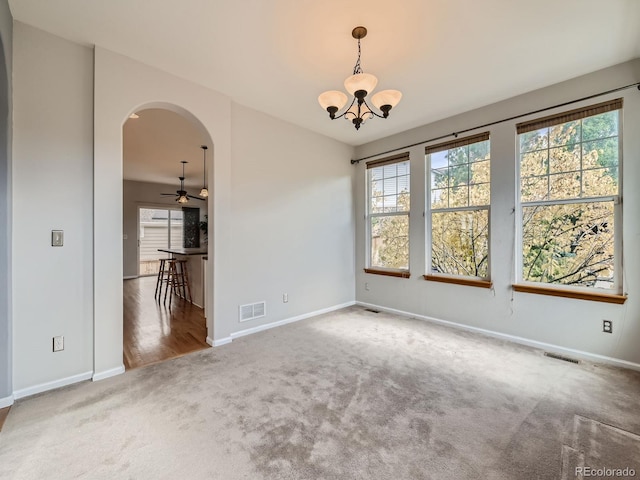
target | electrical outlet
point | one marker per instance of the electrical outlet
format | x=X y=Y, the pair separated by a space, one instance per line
x=58 y=344
x=285 y=298
x=607 y=326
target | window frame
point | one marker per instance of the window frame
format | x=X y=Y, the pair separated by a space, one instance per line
x=370 y=166
x=469 y=280
x=608 y=295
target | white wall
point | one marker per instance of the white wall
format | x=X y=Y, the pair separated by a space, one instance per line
x=52 y=189
x=292 y=220
x=6 y=36
x=568 y=323
x=141 y=194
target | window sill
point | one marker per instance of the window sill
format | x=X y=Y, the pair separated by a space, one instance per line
x=470 y=282
x=580 y=295
x=388 y=273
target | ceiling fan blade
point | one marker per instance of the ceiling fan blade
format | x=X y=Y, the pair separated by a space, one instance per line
x=168 y=194
x=197 y=198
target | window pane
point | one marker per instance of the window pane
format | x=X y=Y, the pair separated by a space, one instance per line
x=600 y=153
x=389 y=170
x=459 y=175
x=440 y=198
x=480 y=172
x=403 y=184
x=403 y=168
x=459 y=196
x=389 y=186
x=440 y=178
x=458 y=156
x=564 y=159
x=536 y=140
x=376 y=173
x=534 y=189
x=438 y=159
x=569 y=244
x=534 y=163
x=376 y=188
x=564 y=186
x=377 y=205
x=390 y=241
x=479 y=195
x=600 y=182
x=600 y=126
x=460 y=243
x=479 y=151
x=564 y=134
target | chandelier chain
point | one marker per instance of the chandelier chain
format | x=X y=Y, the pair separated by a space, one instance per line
x=357 y=68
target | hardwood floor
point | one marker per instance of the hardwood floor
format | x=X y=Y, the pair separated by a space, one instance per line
x=4 y=412
x=152 y=332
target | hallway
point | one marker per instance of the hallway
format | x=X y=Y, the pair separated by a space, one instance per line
x=152 y=332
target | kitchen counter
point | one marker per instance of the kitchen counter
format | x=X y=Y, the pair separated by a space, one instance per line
x=184 y=251
x=194 y=268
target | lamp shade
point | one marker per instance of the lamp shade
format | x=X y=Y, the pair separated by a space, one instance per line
x=183 y=199
x=386 y=97
x=332 y=98
x=204 y=192
x=360 y=81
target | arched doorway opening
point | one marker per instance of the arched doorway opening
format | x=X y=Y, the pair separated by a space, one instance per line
x=163 y=155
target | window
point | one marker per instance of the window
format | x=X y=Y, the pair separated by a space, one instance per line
x=570 y=210
x=460 y=196
x=388 y=215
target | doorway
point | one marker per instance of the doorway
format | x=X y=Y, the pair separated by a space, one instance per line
x=163 y=175
x=157 y=228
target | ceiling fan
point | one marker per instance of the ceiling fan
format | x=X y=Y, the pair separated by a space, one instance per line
x=182 y=195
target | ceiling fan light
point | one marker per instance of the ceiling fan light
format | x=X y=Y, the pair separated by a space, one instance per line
x=360 y=81
x=183 y=199
x=332 y=98
x=204 y=192
x=386 y=97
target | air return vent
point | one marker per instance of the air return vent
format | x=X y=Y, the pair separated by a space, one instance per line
x=252 y=311
x=560 y=357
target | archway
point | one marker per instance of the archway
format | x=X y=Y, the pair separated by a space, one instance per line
x=156 y=141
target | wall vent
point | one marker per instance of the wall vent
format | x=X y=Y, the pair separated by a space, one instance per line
x=560 y=357
x=251 y=311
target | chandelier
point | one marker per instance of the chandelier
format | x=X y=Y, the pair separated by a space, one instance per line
x=359 y=85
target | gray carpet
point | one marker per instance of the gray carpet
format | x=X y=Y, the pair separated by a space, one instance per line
x=348 y=395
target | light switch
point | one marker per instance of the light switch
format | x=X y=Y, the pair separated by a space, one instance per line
x=125 y=236
x=57 y=238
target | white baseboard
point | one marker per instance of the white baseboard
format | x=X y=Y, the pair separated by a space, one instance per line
x=6 y=401
x=279 y=323
x=582 y=355
x=44 y=387
x=108 y=373
x=219 y=342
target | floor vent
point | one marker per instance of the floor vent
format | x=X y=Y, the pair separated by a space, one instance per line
x=251 y=311
x=560 y=357
x=371 y=310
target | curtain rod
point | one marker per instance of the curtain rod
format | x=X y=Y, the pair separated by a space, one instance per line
x=455 y=134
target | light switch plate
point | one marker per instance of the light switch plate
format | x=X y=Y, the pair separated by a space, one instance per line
x=57 y=238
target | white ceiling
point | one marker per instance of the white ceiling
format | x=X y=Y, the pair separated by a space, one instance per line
x=156 y=143
x=277 y=56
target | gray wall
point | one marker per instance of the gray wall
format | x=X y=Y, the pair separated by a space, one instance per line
x=571 y=324
x=52 y=190
x=6 y=37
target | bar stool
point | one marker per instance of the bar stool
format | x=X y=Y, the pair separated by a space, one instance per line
x=177 y=281
x=182 y=279
x=163 y=277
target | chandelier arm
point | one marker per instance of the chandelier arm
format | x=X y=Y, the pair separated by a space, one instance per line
x=371 y=110
x=346 y=111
